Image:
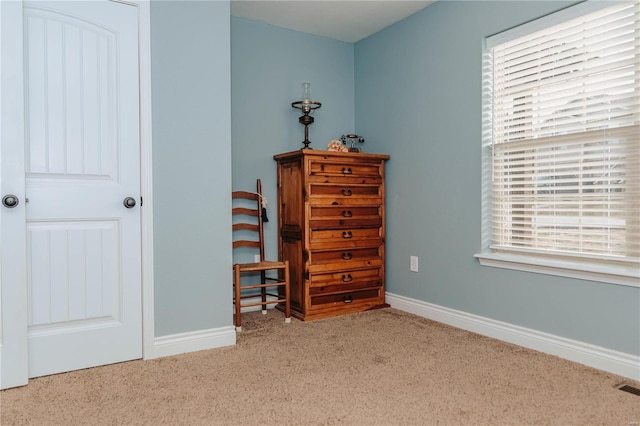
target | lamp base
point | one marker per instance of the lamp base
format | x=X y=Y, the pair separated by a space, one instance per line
x=306 y=120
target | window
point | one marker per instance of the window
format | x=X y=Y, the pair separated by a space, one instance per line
x=562 y=145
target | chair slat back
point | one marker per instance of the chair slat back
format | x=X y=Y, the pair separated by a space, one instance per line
x=246 y=243
x=245 y=211
x=248 y=218
x=246 y=226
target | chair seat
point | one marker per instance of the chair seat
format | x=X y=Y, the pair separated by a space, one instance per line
x=260 y=266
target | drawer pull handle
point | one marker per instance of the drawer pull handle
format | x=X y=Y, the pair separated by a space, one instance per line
x=346 y=171
x=346 y=278
x=347 y=256
x=347 y=192
x=346 y=213
x=347 y=299
x=347 y=234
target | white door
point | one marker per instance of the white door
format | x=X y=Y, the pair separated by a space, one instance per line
x=82 y=161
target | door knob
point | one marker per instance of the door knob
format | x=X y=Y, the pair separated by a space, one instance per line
x=10 y=201
x=129 y=202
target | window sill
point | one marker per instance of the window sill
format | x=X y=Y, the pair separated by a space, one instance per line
x=627 y=275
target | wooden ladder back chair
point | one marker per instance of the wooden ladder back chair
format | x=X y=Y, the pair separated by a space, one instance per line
x=248 y=231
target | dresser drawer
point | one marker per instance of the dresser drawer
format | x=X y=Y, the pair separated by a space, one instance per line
x=343 y=217
x=346 y=237
x=344 y=192
x=345 y=168
x=353 y=297
x=360 y=257
x=338 y=212
x=347 y=280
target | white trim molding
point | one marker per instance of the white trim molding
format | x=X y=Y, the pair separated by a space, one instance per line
x=623 y=364
x=621 y=274
x=146 y=173
x=175 y=344
x=146 y=179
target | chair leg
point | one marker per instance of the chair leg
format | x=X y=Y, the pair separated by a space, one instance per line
x=263 y=292
x=236 y=298
x=287 y=294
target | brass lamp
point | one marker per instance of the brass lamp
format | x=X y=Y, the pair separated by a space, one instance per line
x=307 y=106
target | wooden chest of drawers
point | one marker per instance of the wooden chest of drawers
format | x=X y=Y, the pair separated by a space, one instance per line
x=331 y=229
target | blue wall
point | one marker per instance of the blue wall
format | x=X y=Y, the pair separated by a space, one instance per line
x=269 y=65
x=191 y=82
x=414 y=91
x=418 y=98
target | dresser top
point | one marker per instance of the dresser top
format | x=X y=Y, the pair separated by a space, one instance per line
x=328 y=154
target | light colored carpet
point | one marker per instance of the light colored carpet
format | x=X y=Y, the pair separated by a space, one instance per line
x=379 y=367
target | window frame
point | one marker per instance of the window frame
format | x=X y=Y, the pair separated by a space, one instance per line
x=613 y=271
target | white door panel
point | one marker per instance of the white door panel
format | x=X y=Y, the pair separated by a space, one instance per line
x=71 y=266
x=72 y=98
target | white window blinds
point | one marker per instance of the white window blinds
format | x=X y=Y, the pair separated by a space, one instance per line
x=565 y=137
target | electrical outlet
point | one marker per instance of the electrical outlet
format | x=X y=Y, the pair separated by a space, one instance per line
x=256 y=258
x=413 y=267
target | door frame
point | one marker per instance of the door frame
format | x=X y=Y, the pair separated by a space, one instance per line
x=146 y=175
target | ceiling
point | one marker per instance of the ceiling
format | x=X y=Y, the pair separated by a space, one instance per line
x=347 y=20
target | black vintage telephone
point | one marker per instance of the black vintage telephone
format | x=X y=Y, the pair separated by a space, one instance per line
x=352 y=139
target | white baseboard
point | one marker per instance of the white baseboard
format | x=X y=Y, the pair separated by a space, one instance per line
x=620 y=363
x=180 y=343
